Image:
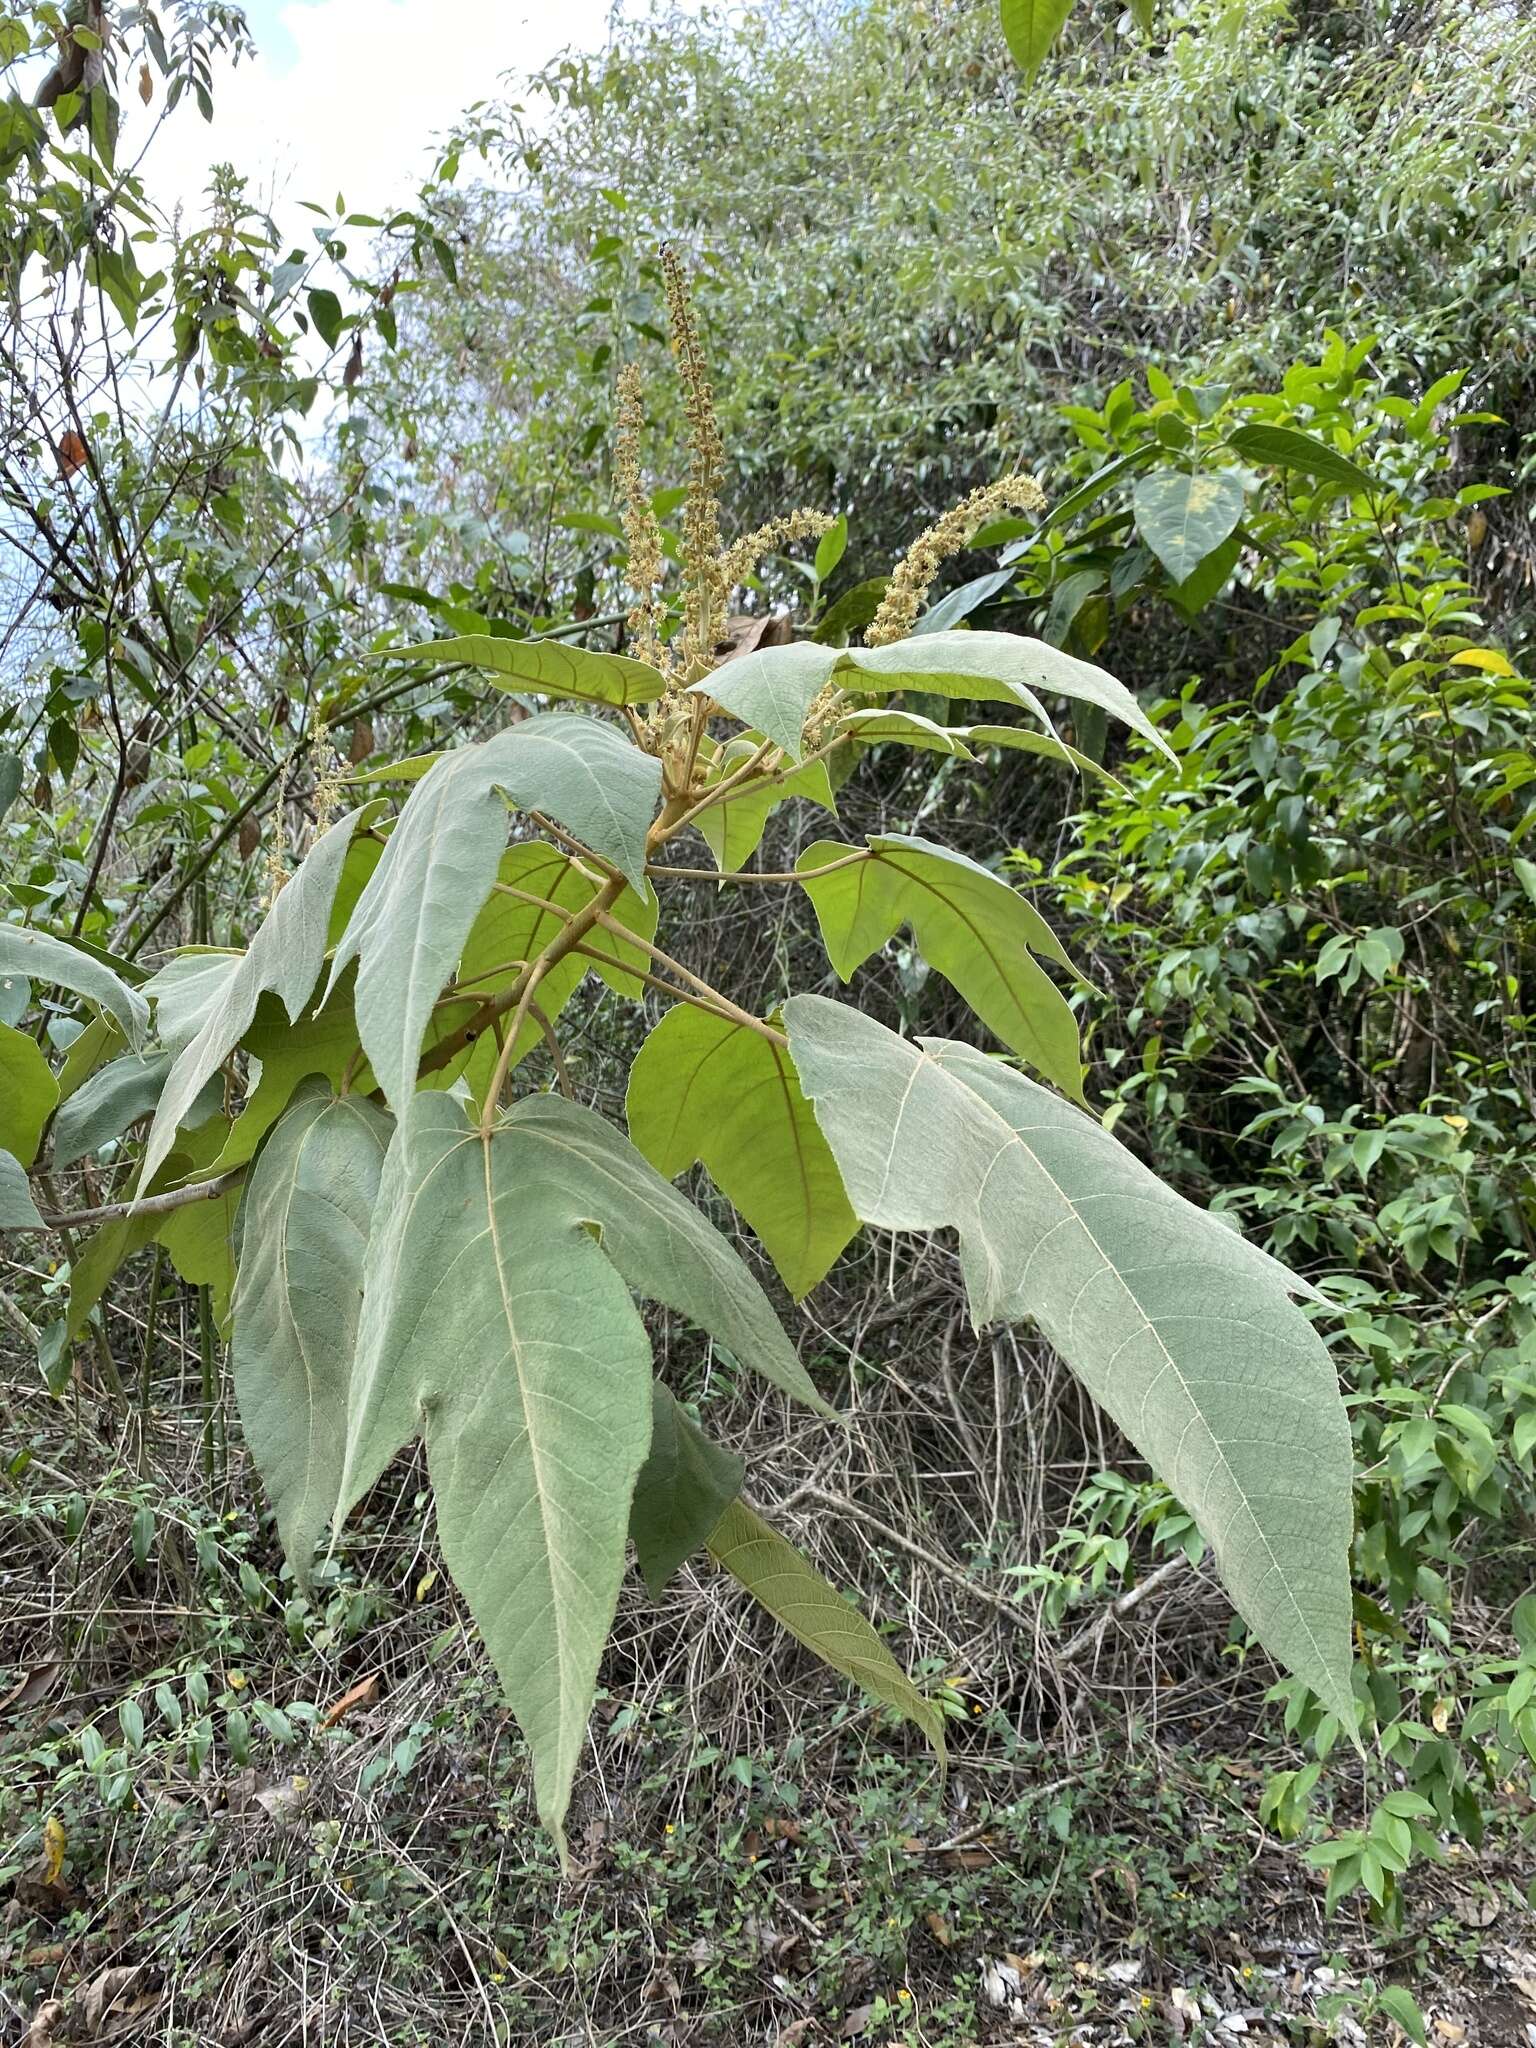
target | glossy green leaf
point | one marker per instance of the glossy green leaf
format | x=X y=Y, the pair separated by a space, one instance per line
x=284 y=959
x=497 y=1310
x=1289 y=448
x=18 y=1211
x=303 y=1231
x=1189 y=1337
x=420 y=904
x=46 y=962
x=703 y=1087
x=1184 y=518
x=552 y=668
x=815 y=1614
x=28 y=1093
x=685 y=1485
x=1030 y=29
x=981 y=935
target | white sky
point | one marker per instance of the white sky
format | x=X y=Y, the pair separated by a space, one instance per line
x=347 y=95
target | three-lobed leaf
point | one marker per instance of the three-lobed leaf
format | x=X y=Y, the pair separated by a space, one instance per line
x=705 y=1087
x=497 y=1318
x=1189 y=1337
x=981 y=935
x=773 y=688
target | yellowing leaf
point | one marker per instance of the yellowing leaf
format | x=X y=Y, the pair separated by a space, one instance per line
x=1488 y=659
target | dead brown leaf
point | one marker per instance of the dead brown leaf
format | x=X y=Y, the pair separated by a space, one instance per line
x=36 y=1684
x=363 y=1694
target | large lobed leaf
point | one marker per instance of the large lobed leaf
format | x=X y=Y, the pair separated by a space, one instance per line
x=773 y=688
x=981 y=935
x=1186 y=1335
x=418 y=907
x=497 y=1316
x=703 y=1087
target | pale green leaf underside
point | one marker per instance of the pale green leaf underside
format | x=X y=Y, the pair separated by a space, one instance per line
x=18 y=1211
x=705 y=1088
x=969 y=925
x=963 y=742
x=1185 y=1334
x=550 y=667
x=45 y=961
x=117 y=1096
x=815 y=1614
x=685 y=1486
x=303 y=1232
x=28 y=1093
x=185 y=990
x=419 y=905
x=773 y=688
x=497 y=1315
x=284 y=959
x=1184 y=518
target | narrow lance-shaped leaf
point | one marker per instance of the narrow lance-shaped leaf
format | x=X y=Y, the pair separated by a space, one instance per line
x=45 y=961
x=285 y=958
x=799 y=1599
x=553 y=668
x=704 y=1087
x=419 y=905
x=978 y=933
x=1289 y=448
x=303 y=1231
x=685 y=1486
x=497 y=1314
x=1185 y=1334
